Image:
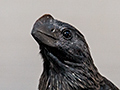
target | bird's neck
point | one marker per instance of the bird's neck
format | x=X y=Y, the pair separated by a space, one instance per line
x=68 y=75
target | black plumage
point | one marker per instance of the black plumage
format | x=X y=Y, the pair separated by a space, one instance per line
x=68 y=64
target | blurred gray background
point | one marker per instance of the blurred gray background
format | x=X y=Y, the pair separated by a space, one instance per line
x=20 y=62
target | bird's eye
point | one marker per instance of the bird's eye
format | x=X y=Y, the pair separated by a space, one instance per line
x=67 y=34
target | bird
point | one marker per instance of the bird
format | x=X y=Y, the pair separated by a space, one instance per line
x=67 y=62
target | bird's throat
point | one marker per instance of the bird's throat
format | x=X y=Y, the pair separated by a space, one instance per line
x=70 y=75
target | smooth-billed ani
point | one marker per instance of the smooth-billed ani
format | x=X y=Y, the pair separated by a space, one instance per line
x=68 y=64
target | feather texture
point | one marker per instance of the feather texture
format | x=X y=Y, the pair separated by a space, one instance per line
x=68 y=64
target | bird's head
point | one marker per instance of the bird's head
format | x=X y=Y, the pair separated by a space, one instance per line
x=59 y=38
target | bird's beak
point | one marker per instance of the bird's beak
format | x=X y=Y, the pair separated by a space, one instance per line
x=42 y=30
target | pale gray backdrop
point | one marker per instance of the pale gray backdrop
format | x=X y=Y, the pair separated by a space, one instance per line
x=20 y=62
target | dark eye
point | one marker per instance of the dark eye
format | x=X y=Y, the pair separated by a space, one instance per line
x=67 y=34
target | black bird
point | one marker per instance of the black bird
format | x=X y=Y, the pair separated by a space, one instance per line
x=68 y=64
